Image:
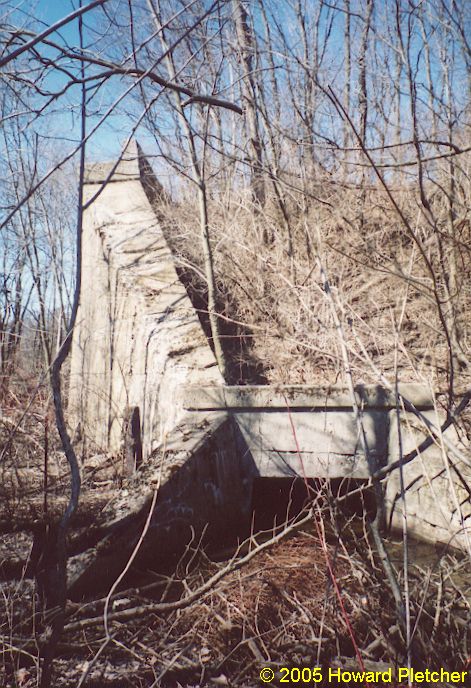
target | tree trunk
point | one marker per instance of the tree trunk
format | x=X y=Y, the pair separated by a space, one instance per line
x=246 y=51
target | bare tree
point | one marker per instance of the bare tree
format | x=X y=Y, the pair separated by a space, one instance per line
x=245 y=47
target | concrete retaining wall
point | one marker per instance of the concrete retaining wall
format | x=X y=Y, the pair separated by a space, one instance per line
x=312 y=432
x=137 y=338
x=436 y=505
x=145 y=385
x=203 y=477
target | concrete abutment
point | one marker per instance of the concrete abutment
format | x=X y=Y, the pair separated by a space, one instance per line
x=145 y=386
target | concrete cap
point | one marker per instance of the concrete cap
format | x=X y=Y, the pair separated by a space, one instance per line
x=125 y=169
x=302 y=397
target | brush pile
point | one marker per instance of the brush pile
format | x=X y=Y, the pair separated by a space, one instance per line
x=298 y=600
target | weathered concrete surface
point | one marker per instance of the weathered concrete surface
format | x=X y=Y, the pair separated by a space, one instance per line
x=145 y=386
x=203 y=480
x=205 y=470
x=310 y=444
x=137 y=338
x=312 y=432
x=309 y=431
x=302 y=397
x=437 y=504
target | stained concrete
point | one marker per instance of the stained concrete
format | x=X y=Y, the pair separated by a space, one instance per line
x=203 y=480
x=312 y=432
x=302 y=430
x=137 y=338
x=436 y=504
x=142 y=364
x=302 y=397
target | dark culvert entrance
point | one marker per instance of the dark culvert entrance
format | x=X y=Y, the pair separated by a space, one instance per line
x=278 y=500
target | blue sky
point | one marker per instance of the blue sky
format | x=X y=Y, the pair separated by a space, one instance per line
x=63 y=122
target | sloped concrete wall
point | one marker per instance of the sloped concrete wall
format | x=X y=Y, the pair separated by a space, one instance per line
x=137 y=338
x=138 y=345
x=436 y=505
x=203 y=482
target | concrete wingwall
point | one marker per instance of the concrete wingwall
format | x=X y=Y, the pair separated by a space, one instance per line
x=137 y=338
x=144 y=380
x=437 y=483
x=204 y=484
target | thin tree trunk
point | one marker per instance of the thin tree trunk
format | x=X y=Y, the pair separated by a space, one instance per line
x=54 y=545
x=347 y=48
x=362 y=80
x=246 y=52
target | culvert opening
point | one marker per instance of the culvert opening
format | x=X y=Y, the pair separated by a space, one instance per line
x=278 y=500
